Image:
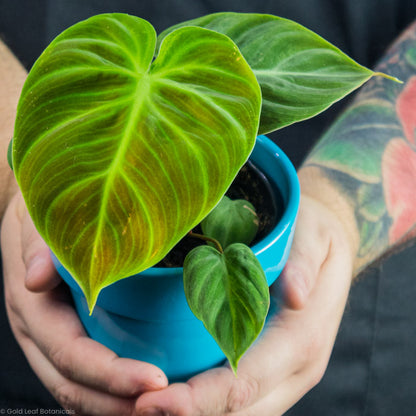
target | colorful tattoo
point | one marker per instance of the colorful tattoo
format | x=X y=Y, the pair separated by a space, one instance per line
x=370 y=153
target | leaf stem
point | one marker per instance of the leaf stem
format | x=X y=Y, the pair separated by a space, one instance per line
x=205 y=238
x=382 y=74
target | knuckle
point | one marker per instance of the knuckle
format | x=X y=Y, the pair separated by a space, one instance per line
x=61 y=362
x=242 y=393
x=69 y=398
x=112 y=385
x=315 y=357
x=317 y=363
x=16 y=321
x=29 y=247
x=32 y=245
x=317 y=375
x=11 y=307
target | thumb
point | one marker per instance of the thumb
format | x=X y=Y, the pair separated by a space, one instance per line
x=40 y=271
x=310 y=248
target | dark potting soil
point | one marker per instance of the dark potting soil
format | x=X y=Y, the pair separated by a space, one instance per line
x=252 y=185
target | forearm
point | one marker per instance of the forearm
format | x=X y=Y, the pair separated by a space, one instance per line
x=12 y=77
x=368 y=159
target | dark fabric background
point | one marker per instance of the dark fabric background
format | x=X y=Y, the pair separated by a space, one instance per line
x=372 y=371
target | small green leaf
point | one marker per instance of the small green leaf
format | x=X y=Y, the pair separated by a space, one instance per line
x=231 y=221
x=119 y=154
x=228 y=292
x=300 y=73
x=10 y=154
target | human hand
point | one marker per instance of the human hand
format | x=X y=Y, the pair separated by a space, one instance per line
x=81 y=374
x=292 y=354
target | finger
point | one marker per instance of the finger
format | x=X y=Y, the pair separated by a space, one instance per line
x=60 y=336
x=296 y=343
x=40 y=272
x=53 y=325
x=287 y=393
x=278 y=401
x=75 y=398
x=309 y=249
x=218 y=391
x=284 y=396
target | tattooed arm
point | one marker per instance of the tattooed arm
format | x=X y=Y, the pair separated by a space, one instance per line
x=369 y=156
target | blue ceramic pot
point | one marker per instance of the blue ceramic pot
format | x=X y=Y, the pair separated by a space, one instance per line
x=147 y=317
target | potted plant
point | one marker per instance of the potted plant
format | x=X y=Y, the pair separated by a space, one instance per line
x=125 y=141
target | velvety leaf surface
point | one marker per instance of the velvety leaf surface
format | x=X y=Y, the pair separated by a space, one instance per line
x=228 y=292
x=300 y=73
x=231 y=221
x=119 y=155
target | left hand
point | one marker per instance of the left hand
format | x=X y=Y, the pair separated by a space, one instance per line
x=292 y=354
x=85 y=377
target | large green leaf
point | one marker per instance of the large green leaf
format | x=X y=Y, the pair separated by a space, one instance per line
x=119 y=155
x=300 y=73
x=228 y=292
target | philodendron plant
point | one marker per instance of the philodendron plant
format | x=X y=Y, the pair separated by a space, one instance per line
x=125 y=141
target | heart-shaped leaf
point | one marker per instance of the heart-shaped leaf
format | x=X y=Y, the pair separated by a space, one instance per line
x=118 y=155
x=231 y=221
x=300 y=73
x=228 y=292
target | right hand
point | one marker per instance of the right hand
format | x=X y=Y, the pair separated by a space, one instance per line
x=83 y=375
x=291 y=355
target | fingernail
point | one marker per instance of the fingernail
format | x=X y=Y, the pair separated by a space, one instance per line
x=153 y=411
